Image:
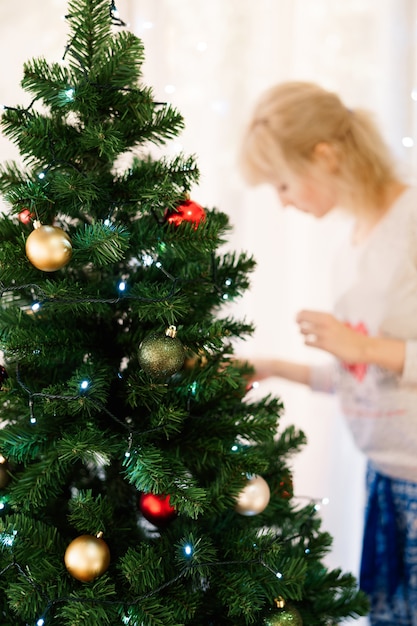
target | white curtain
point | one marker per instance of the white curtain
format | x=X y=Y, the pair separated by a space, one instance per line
x=212 y=58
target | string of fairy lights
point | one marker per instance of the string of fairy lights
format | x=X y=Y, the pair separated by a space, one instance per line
x=188 y=550
x=41 y=299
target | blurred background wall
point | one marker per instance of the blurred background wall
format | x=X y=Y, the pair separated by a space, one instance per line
x=212 y=59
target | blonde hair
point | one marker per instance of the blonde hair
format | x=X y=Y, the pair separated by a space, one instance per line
x=292 y=118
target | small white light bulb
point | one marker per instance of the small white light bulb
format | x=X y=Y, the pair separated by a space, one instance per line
x=188 y=550
x=147 y=260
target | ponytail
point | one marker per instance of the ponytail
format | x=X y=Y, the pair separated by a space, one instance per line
x=292 y=118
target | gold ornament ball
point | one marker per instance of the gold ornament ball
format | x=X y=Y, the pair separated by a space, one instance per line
x=48 y=248
x=87 y=557
x=161 y=355
x=254 y=497
x=289 y=616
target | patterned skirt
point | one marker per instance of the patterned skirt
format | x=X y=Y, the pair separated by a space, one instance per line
x=389 y=553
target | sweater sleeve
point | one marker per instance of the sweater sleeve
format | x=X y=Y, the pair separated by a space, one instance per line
x=409 y=375
x=323 y=377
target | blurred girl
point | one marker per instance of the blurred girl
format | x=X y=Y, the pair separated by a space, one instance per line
x=318 y=155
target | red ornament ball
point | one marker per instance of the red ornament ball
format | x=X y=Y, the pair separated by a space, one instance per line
x=156 y=508
x=189 y=211
x=25 y=216
x=285 y=488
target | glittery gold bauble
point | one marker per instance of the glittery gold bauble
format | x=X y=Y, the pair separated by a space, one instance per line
x=87 y=557
x=161 y=355
x=254 y=497
x=287 y=616
x=4 y=473
x=48 y=248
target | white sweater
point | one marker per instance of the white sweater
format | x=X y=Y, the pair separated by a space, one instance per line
x=376 y=293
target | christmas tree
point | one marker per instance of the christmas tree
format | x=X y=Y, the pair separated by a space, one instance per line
x=139 y=483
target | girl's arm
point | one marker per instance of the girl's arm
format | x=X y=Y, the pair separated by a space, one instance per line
x=296 y=372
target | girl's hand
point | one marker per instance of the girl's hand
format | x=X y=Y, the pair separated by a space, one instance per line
x=324 y=331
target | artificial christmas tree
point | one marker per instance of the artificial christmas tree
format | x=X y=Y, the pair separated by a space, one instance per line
x=119 y=380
